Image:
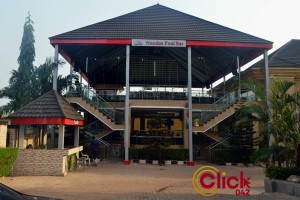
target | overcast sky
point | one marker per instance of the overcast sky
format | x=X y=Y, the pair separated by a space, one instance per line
x=273 y=20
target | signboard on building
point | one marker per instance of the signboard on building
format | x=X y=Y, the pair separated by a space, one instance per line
x=158 y=43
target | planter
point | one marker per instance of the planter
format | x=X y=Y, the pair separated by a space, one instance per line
x=284 y=187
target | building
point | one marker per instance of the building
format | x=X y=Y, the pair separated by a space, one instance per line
x=156 y=63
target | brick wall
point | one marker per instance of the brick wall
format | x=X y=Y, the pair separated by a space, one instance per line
x=3 y=135
x=42 y=162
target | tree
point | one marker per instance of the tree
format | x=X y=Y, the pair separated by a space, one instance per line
x=29 y=82
x=280 y=117
x=242 y=139
x=19 y=89
x=43 y=79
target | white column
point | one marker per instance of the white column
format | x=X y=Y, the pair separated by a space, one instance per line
x=239 y=70
x=70 y=79
x=80 y=87
x=126 y=136
x=45 y=135
x=76 y=136
x=224 y=86
x=55 y=70
x=190 y=115
x=21 y=136
x=61 y=137
x=267 y=90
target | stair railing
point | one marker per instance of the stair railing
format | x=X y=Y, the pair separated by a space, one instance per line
x=222 y=104
x=106 y=108
x=95 y=125
x=99 y=139
x=218 y=107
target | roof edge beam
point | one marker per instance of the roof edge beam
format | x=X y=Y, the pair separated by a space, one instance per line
x=229 y=44
x=188 y=43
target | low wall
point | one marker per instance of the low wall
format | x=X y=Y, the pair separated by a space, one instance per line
x=3 y=134
x=42 y=162
x=283 y=187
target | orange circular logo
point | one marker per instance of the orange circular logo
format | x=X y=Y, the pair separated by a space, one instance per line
x=200 y=183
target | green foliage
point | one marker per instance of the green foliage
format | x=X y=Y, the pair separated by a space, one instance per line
x=280 y=119
x=150 y=153
x=271 y=154
x=242 y=138
x=7 y=158
x=71 y=160
x=155 y=126
x=281 y=173
x=222 y=156
x=29 y=82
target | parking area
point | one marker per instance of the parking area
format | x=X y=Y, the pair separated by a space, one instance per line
x=113 y=180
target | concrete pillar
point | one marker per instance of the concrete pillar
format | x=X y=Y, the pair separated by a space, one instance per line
x=70 y=79
x=55 y=70
x=76 y=139
x=21 y=136
x=239 y=70
x=190 y=107
x=267 y=90
x=3 y=135
x=185 y=129
x=76 y=136
x=61 y=137
x=224 y=86
x=126 y=136
x=45 y=136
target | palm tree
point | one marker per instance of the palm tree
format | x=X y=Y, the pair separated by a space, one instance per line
x=281 y=115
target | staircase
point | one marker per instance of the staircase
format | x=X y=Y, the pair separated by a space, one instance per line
x=100 y=109
x=98 y=129
x=99 y=139
x=216 y=119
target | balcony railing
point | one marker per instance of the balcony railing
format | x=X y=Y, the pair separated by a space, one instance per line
x=203 y=116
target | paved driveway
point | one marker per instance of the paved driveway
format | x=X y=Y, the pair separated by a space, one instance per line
x=113 y=180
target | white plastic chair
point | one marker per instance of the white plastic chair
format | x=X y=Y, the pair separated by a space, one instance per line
x=84 y=158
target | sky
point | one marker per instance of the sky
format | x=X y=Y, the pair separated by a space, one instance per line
x=273 y=20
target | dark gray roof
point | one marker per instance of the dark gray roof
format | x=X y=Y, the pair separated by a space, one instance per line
x=160 y=22
x=49 y=105
x=286 y=56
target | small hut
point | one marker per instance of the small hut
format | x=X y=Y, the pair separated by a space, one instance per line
x=42 y=130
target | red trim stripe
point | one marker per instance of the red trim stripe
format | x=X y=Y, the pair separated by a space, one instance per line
x=228 y=44
x=188 y=43
x=90 y=42
x=45 y=121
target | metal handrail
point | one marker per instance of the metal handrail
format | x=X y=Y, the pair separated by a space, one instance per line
x=99 y=139
x=90 y=95
x=219 y=106
x=222 y=104
x=91 y=124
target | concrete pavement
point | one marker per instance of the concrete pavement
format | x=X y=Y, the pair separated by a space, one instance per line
x=113 y=180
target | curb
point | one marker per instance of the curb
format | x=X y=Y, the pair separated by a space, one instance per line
x=163 y=162
x=239 y=164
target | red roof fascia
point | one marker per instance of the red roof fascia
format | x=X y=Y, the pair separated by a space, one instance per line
x=47 y=121
x=91 y=41
x=228 y=44
x=188 y=43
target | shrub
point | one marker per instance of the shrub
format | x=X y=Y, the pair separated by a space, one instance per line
x=281 y=173
x=7 y=158
x=151 y=153
x=221 y=156
x=72 y=159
